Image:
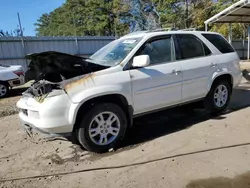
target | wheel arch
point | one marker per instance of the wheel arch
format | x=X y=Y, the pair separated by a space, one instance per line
x=115 y=98
x=223 y=76
x=5 y=82
x=7 y=85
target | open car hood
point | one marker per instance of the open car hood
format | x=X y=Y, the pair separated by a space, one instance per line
x=48 y=54
x=57 y=66
x=55 y=70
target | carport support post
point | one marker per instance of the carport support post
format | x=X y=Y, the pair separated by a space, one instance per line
x=248 y=42
x=77 y=47
x=230 y=33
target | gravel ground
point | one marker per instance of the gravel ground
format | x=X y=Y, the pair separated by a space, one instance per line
x=166 y=149
x=8 y=104
x=245 y=65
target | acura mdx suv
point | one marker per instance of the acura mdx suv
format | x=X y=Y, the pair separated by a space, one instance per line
x=95 y=99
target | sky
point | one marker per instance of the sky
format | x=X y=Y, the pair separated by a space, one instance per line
x=29 y=11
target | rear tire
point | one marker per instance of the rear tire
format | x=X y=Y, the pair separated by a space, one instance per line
x=4 y=89
x=218 y=98
x=102 y=127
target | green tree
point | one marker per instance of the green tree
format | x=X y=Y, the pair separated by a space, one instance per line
x=170 y=12
x=83 y=17
x=115 y=17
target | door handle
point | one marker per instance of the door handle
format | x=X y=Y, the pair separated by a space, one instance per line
x=212 y=65
x=174 y=71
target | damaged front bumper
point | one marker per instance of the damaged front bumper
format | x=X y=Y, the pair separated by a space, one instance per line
x=30 y=129
x=51 y=116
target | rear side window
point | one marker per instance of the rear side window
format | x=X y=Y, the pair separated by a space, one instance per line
x=219 y=42
x=190 y=47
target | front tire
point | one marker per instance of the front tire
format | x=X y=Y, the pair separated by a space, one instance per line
x=102 y=127
x=4 y=89
x=219 y=96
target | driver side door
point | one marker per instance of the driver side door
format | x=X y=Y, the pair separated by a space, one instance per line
x=159 y=84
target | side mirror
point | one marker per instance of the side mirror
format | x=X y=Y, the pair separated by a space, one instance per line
x=141 y=61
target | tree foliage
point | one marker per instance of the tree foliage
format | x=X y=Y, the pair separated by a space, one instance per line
x=83 y=17
x=118 y=17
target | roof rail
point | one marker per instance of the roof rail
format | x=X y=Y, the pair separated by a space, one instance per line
x=163 y=29
x=189 y=29
x=154 y=30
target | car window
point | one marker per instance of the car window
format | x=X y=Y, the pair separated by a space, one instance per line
x=115 y=52
x=206 y=50
x=219 y=42
x=159 y=50
x=190 y=47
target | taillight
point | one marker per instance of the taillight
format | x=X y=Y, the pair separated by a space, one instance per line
x=19 y=73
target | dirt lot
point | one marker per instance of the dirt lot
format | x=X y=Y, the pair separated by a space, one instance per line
x=8 y=104
x=167 y=149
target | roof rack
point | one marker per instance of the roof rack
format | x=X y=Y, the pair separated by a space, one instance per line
x=164 y=29
x=154 y=30
x=189 y=29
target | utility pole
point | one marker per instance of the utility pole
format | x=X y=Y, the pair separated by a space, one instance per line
x=20 y=24
x=22 y=39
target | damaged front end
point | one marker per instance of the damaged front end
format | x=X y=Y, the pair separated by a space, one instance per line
x=52 y=71
x=41 y=89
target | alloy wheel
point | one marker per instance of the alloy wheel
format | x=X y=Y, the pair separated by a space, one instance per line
x=104 y=128
x=221 y=96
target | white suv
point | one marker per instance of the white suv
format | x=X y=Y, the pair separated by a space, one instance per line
x=95 y=99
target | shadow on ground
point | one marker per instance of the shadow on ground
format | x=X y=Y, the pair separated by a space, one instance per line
x=159 y=124
x=240 y=181
x=169 y=121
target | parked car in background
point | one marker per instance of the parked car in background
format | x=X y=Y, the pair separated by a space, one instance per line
x=95 y=99
x=10 y=76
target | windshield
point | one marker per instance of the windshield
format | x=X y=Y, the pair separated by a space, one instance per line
x=113 y=53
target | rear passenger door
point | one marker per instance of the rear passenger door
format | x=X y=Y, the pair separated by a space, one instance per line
x=197 y=65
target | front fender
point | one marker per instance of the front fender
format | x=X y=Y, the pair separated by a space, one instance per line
x=94 y=92
x=80 y=98
x=94 y=85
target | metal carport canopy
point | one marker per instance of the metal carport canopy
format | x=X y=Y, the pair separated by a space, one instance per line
x=238 y=12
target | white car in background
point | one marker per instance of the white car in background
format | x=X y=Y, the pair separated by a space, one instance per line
x=10 y=76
